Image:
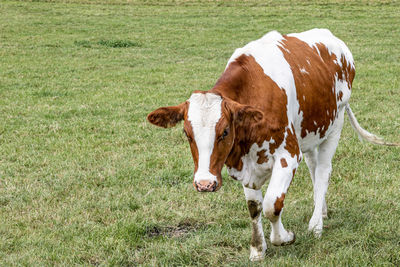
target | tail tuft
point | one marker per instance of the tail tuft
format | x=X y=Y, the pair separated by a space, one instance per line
x=364 y=134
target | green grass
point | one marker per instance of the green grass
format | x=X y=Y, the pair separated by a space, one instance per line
x=85 y=180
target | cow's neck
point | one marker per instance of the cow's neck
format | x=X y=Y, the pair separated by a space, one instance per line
x=245 y=82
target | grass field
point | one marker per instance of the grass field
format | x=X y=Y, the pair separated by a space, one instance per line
x=85 y=180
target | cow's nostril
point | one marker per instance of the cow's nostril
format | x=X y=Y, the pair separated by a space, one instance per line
x=214 y=186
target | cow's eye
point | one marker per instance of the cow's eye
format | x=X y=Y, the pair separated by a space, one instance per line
x=224 y=134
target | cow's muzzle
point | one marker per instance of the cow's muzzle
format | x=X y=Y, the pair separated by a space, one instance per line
x=206 y=186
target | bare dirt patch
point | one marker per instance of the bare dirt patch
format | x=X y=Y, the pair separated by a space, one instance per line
x=179 y=230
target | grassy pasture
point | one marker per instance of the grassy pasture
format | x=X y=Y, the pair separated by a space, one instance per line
x=85 y=180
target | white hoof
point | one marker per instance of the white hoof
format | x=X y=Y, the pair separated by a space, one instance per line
x=289 y=239
x=256 y=254
x=315 y=226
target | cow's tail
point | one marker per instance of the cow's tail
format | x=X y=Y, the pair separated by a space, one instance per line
x=364 y=134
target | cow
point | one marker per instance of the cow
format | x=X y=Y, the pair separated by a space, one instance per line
x=279 y=98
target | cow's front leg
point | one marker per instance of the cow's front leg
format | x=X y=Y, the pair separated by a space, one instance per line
x=282 y=175
x=254 y=203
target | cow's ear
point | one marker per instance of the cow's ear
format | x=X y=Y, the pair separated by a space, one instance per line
x=167 y=116
x=248 y=114
x=243 y=114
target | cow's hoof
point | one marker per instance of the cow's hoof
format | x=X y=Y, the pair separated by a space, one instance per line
x=315 y=226
x=256 y=254
x=317 y=232
x=290 y=238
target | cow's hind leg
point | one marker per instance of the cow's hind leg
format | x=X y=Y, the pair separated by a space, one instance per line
x=322 y=173
x=281 y=178
x=258 y=245
x=311 y=158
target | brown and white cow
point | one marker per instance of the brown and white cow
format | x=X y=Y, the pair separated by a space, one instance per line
x=279 y=97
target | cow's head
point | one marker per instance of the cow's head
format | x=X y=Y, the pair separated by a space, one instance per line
x=210 y=124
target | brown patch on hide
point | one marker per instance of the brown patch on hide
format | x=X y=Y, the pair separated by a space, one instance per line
x=262 y=158
x=292 y=145
x=346 y=72
x=284 y=163
x=279 y=204
x=340 y=96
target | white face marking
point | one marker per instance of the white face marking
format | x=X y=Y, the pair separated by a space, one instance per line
x=204 y=113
